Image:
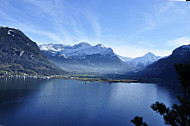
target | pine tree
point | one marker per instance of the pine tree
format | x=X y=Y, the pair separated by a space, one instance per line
x=177 y=115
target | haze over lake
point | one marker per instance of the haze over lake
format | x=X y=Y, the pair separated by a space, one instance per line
x=68 y=102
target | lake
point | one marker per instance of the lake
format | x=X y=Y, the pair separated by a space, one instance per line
x=58 y=102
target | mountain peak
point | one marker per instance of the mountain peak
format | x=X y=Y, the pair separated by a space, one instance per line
x=9 y=29
x=149 y=54
x=146 y=59
x=182 y=50
x=82 y=44
x=100 y=45
x=186 y=46
x=15 y=37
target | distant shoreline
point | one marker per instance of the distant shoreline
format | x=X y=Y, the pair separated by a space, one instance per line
x=94 y=78
x=87 y=79
x=106 y=80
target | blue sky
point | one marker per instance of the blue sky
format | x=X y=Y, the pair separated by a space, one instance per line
x=131 y=27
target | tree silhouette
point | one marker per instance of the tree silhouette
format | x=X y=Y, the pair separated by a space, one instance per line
x=138 y=121
x=177 y=115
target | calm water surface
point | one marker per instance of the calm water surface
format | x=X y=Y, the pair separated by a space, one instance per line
x=57 y=102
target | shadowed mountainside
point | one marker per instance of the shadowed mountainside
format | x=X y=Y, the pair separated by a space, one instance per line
x=163 y=69
x=19 y=55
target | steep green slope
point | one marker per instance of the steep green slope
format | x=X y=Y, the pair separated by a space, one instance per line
x=19 y=55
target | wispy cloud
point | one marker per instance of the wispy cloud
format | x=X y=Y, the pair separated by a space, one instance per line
x=51 y=8
x=144 y=43
x=178 y=41
x=65 y=22
x=93 y=19
x=155 y=18
x=166 y=7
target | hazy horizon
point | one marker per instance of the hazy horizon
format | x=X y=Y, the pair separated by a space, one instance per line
x=131 y=28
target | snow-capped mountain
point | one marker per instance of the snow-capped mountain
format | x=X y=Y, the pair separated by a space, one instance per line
x=146 y=59
x=124 y=59
x=164 y=68
x=140 y=63
x=78 y=51
x=96 y=57
x=82 y=55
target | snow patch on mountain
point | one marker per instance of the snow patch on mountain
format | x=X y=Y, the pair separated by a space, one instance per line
x=124 y=59
x=52 y=47
x=146 y=59
x=78 y=50
x=9 y=32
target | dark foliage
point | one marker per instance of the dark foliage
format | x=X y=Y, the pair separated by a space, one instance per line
x=177 y=115
x=138 y=121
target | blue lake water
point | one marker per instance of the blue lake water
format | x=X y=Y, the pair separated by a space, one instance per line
x=57 y=102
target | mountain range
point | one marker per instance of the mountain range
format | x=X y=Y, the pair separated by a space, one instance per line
x=163 y=69
x=20 y=55
x=98 y=59
x=83 y=57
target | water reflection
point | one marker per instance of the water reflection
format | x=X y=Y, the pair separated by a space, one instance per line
x=69 y=102
x=13 y=92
